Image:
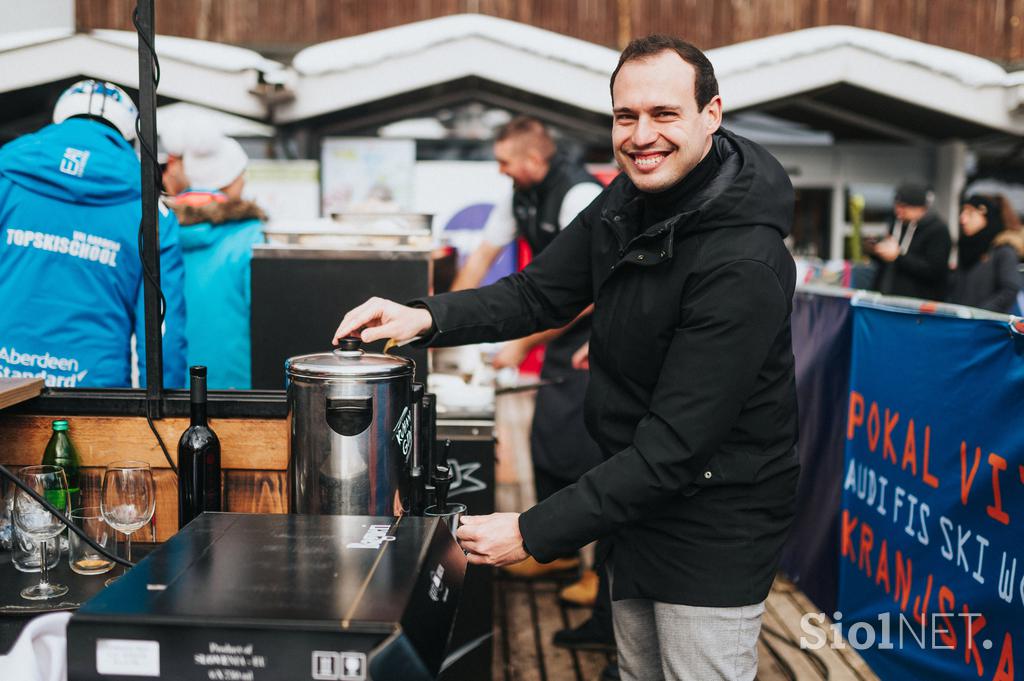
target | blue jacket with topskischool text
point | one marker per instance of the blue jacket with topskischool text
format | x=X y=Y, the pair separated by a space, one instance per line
x=70 y=272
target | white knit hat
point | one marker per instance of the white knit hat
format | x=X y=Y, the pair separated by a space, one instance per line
x=213 y=161
x=172 y=138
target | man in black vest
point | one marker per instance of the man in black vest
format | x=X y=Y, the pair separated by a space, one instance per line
x=549 y=191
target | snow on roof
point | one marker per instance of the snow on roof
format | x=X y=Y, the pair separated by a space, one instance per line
x=185 y=115
x=787 y=67
x=415 y=128
x=209 y=74
x=198 y=52
x=370 y=48
x=343 y=73
x=12 y=41
x=966 y=68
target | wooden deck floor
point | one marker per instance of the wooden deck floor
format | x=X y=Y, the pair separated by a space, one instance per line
x=527 y=614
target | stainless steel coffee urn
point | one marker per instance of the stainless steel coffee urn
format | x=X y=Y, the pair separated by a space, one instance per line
x=353 y=419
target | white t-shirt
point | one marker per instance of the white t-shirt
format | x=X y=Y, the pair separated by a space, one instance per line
x=500 y=229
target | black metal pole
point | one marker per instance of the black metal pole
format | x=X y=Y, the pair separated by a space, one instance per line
x=150 y=237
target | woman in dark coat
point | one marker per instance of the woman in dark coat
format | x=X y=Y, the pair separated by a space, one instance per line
x=990 y=248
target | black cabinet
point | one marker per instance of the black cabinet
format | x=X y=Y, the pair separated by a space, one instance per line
x=299 y=296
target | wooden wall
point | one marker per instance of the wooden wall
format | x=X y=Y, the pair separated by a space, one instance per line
x=989 y=28
x=253 y=457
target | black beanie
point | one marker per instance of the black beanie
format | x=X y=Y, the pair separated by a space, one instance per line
x=912 y=194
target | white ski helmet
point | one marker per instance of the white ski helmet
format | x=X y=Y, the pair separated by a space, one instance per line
x=98 y=98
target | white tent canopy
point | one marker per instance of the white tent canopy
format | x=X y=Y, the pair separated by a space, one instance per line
x=197 y=71
x=17 y=39
x=952 y=83
x=184 y=114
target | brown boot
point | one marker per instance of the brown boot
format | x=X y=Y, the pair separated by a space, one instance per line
x=583 y=592
x=531 y=569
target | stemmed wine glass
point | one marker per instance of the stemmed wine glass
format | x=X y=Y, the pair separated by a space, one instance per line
x=40 y=524
x=127 y=499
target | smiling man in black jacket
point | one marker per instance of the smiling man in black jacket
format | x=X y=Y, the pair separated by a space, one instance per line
x=692 y=394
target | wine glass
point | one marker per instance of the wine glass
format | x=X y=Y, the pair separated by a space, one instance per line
x=40 y=524
x=127 y=499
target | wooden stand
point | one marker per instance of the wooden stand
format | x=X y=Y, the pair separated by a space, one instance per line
x=15 y=390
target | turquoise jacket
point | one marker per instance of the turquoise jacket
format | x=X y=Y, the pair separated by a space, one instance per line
x=217 y=236
x=70 y=272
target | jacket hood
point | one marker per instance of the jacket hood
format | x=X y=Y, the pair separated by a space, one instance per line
x=1012 y=238
x=206 y=217
x=78 y=161
x=750 y=188
x=216 y=211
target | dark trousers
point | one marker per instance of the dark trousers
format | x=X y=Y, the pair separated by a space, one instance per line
x=546 y=485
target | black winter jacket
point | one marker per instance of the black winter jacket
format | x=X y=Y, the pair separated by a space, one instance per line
x=692 y=394
x=994 y=281
x=923 y=271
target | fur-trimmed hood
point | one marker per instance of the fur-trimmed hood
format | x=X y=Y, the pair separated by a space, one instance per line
x=211 y=220
x=217 y=212
x=1015 y=239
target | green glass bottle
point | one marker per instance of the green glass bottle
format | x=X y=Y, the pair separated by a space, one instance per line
x=61 y=452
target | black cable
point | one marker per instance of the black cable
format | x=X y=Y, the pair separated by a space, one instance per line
x=63 y=518
x=149 y=406
x=149 y=274
x=149 y=46
x=152 y=427
x=150 y=155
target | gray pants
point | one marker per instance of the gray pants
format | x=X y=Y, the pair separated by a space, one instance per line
x=668 y=642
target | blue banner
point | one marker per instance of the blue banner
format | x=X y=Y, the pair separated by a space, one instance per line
x=931 y=579
x=822 y=333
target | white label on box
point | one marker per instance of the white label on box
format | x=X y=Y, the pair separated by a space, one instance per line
x=331 y=666
x=126 y=657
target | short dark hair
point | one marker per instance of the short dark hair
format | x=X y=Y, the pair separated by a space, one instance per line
x=705 y=85
x=533 y=133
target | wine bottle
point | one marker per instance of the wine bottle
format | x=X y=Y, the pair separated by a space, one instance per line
x=60 y=451
x=198 y=457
